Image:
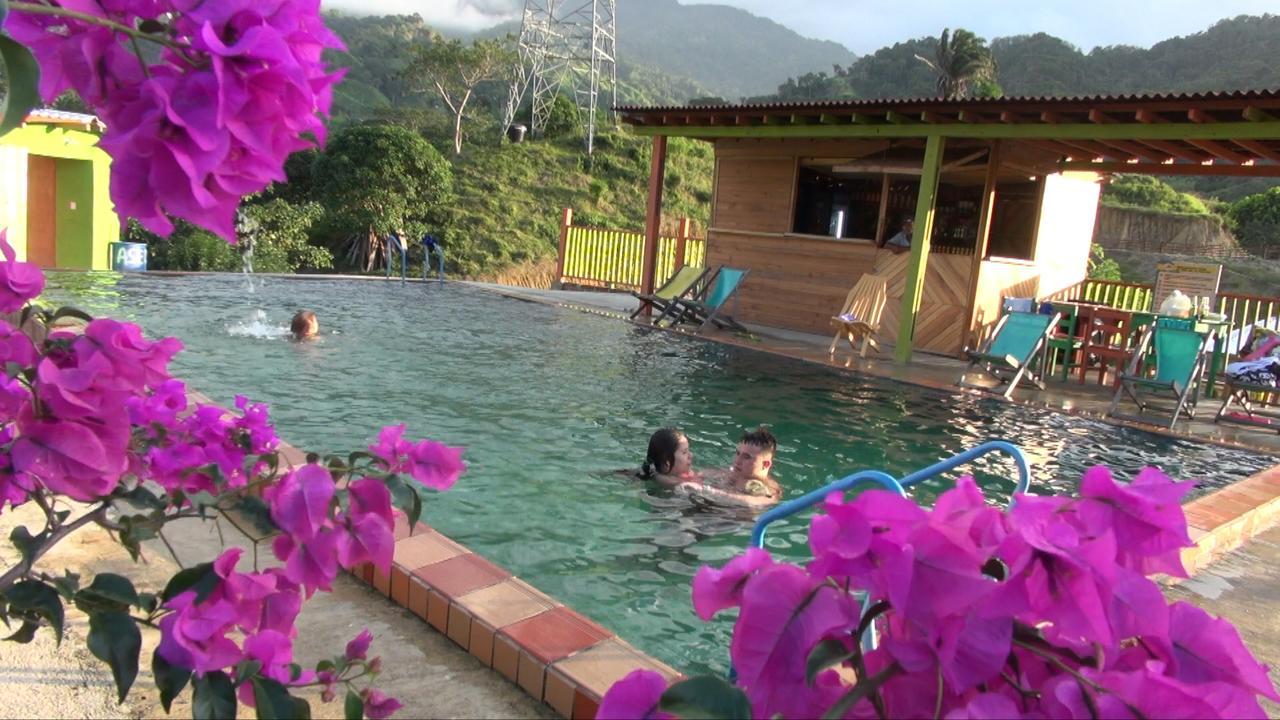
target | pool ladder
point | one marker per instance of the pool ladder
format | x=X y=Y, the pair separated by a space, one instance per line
x=899 y=486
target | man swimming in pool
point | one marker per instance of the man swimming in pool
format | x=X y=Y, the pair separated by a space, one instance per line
x=748 y=481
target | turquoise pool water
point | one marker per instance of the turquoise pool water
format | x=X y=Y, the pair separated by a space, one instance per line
x=548 y=401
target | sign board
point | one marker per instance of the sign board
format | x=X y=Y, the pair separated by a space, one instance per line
x=1192 y=278
x=128 y=256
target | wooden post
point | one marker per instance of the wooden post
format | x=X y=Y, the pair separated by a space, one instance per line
x=653 y=216
x=566 y=220
x=984 y=233
x=923 y=228
x=882 y=220
x=682 y=239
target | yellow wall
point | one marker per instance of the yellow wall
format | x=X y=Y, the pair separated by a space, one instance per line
x=96 y=219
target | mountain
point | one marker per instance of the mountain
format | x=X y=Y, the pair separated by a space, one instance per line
x=1233 y=54
x=718 y=48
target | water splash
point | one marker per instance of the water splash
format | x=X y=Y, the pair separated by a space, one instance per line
x=258 y=327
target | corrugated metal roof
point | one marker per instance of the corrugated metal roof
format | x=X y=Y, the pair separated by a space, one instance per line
x=994 y=102
x=62 y=117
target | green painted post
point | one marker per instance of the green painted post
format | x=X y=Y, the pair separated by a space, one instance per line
x=919 y=246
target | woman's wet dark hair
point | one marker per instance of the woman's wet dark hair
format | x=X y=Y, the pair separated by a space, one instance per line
x=661 y=456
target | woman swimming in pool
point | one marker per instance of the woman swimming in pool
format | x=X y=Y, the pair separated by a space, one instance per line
x=669 y=460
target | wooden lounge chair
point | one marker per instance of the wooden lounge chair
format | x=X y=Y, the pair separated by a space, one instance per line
x=1179 y=363
x=1237 y=392
x=859 y=317
x=677 y=285
x=1013 y=351
x=706 y=307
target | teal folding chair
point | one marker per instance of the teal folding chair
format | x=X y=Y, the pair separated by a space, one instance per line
x=707 y=307
x=1179 y=362
x=1013 y=351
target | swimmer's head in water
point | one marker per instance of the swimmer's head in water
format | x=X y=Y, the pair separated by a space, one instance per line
x=668 y=454
x=754 y=455
x=304 y=325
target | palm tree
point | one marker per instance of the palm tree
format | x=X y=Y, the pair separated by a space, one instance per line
x=961 y=62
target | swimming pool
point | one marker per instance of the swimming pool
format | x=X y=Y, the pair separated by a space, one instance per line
x=548 y=401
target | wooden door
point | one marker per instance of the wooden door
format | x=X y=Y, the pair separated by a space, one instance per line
x=42 y=197
x=944 y=302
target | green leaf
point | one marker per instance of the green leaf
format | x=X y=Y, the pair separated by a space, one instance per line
x=705 y=697
x=214 y=697
x=353 y=707
x=67 y=585
x=828 y=653
x=246 y=670
x=148 y=602
x=258 y=514
x=143 y=499
x=31 y=599
x=200 y=578
x=25 y=634
x=170 y=680
x=107 y=591
x=272 y=700
x=865 y=687
x=70 y=312
x=115 y=640
x=301 y=709
x=26 y=543
x=24 y=83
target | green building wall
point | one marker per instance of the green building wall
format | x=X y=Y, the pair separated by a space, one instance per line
x=86 y=220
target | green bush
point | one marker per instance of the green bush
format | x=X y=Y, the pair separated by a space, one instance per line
x=1255 y=220
x=280 y=243
x=1144 y=191
x=1102 y=267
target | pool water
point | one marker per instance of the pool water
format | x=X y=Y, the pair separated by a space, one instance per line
x=549 y=401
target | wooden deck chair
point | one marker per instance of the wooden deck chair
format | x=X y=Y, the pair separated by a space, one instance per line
x=1237 y=392
x=859 y=317
x=707 y=306
x=1013 y=351
x=678 y=285
x=1179 y=363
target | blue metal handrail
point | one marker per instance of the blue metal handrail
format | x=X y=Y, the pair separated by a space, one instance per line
x=791 y=507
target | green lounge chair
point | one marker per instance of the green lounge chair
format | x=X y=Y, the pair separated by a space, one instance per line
x=1179 y=363
x=1013 y=351
x=706 y=307
x=676 y=286
x=1237 y=392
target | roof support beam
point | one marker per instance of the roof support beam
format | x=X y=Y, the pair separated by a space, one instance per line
x=1253 y=114
x=900 y=118
x=1176 y=169
x=1142 y=152
x=1177 y=151
x=1259 y=149
x=1220 y=151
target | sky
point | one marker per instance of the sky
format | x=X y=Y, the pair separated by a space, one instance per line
x=865 y=26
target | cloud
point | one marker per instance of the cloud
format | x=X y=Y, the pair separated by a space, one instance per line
x=446 y=14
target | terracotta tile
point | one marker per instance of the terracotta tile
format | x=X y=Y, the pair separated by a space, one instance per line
x=555 y=634
x=584 y=706
x=401 y=529
x=597 y=668
x=418 y=598
x=424 y=549
x=292 y=456
x=506 y=657
x=367 y=573
x=399 y=586
x=507 y=602
x=481 y=642
x=532 y=675
x=459 y=626
x=460 y=575
x=381 y=582
x=559 y=693
x=437 y=610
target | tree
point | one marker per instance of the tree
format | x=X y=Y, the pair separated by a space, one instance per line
x=1145 y=191
x=1256 y=221
x=960 y=61
x=455 y=70
x=374 y=180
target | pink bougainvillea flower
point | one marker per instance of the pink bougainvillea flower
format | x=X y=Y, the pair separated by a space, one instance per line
x=358 y=648
x=785 y=613
x=194 y=635
x=312 y=564
x=369 y=496
x=15 y=346
x=390 y=446
x=370 y=539
x=300 y=503
x=714 y=590
x=135 y=362
x=986 y=706
x=1207 y=649
x=1146 y=516
x=378 y=705
x=69 y=458
x=436 y=465
x=634 y=697
x=19 y=281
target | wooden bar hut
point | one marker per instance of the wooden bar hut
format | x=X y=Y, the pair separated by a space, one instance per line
x=1003 y=193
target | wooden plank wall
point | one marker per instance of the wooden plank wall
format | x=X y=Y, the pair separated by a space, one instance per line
x=944 y=305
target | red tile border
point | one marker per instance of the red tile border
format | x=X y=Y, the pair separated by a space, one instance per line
x=460 y=575
x=555 y=634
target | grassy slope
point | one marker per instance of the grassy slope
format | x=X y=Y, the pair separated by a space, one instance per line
x=510 y=197
x=1250 y=276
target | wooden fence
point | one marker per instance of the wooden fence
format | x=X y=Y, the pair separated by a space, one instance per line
x=614 y=259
